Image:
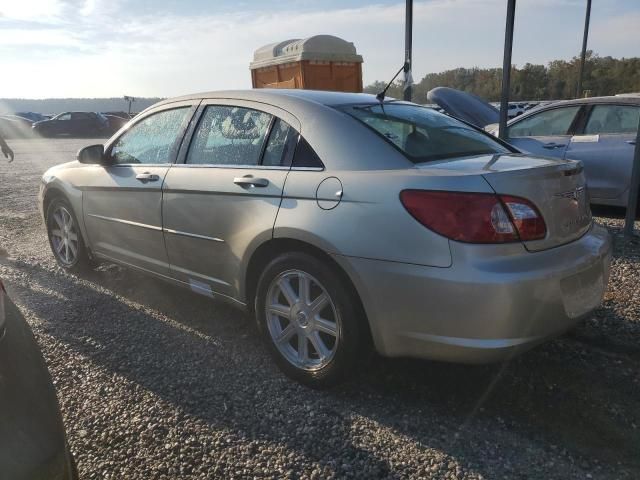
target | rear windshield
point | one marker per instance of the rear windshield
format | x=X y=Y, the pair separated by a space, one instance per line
x=423 y=134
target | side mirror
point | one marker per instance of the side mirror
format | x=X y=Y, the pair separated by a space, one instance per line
x=93 y=154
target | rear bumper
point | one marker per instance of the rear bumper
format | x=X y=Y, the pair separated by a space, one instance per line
x=493 y=302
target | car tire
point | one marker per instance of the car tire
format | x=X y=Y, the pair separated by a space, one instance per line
x=65 y=237
x=318 y=338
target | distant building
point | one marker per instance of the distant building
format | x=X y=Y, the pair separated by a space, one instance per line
x=321 y=62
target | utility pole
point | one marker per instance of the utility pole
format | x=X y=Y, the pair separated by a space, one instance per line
x=408 y=36
x=506 y=69
x=583 y=54
x=632 y=203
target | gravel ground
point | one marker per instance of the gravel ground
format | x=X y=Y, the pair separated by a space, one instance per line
x=156 y=382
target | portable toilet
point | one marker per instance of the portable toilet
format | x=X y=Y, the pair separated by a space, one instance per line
x=321 y=62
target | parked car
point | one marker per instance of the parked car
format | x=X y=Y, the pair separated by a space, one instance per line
x=600 y=132
x=339 y=221
x=32 y=435
x=515 y=110
x=80 y=124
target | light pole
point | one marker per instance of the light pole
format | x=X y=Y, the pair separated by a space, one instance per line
x=583 y=54
x=506 y=69
x=408 y=36
x=130 y=100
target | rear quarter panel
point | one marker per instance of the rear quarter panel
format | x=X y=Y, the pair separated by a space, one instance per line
x=369 y=221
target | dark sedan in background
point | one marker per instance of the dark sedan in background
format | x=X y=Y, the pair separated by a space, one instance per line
x=33 y=443
x=74 y=124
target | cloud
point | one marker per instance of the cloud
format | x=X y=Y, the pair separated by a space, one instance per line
x=102 y=48
x=42 y=10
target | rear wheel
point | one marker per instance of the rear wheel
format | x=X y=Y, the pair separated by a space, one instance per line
x=65 y=238
x=309 y=320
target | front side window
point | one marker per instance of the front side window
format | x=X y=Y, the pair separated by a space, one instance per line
x=63 y=116
x=231 y=136
x=612 y=119
x=151 y=140
x=422 y=134
x=556 y=121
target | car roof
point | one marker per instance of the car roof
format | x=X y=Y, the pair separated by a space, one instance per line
x=622 y=99
x=276 y=95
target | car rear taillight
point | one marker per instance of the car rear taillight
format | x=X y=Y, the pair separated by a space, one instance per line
x=2 y=289
x=475 y=217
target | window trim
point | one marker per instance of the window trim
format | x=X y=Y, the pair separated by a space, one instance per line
x=575 y=123
x=191 y=107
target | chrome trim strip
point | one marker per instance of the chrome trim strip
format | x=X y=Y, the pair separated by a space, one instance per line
x=231 y=167
x=308 y=169
x=126 y=222
x=247 y=167
x=116 y=165
x=193 y=235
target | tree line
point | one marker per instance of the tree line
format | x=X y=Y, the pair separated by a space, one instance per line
x=555 y=81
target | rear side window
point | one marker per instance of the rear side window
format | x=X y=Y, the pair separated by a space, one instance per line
x=280 y=146
x=229 y=136
x=612 y=119
x=152 y=139
x=422 y=134
x=305 y=156
x=556 y=121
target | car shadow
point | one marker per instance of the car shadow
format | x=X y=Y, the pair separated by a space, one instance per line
x=206 y=358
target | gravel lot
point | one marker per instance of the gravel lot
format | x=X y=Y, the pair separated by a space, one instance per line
x=156 y=382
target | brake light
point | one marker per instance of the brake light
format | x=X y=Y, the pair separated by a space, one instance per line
x=475 y=217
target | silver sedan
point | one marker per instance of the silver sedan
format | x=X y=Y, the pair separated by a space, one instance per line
x=341 y=222
x=600 y=132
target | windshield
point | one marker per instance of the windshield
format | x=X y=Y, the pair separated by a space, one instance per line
x=423 y=134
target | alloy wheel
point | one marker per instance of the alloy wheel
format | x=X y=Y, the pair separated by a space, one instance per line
x=64 y=235
x=302 y=320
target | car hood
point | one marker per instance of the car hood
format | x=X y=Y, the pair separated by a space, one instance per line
x=464 y=106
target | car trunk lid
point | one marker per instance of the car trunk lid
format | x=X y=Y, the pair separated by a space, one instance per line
x=555 y=187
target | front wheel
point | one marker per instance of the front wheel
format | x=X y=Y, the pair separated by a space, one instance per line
x=65 y=237
x=309 y=320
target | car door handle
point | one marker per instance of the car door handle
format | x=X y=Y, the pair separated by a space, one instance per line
x=251 y=181
x=147 y=177
x=552 y=145
x=631 y=142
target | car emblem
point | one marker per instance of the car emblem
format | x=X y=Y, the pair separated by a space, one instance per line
x=572 y=194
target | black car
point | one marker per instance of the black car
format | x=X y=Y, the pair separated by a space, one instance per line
x=33 y=442
x=75 y=124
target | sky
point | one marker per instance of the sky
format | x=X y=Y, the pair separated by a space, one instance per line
x=110 y=48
